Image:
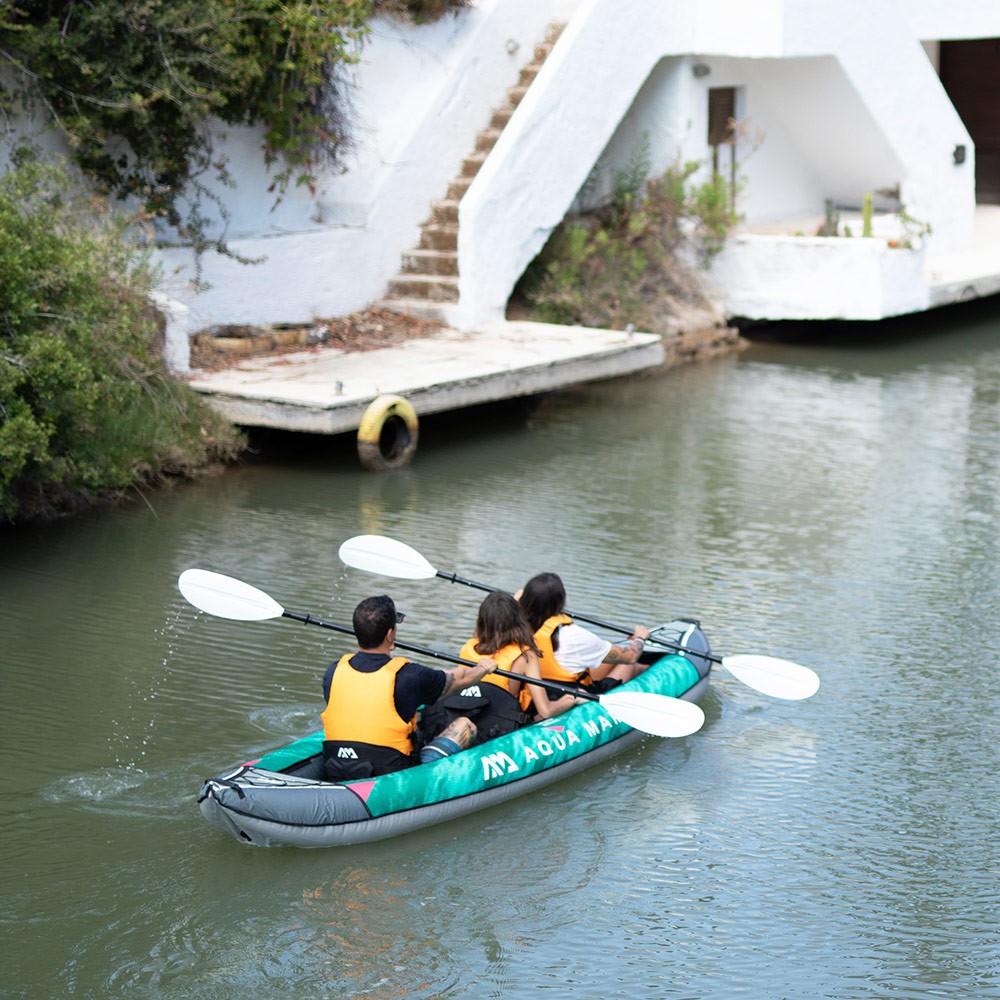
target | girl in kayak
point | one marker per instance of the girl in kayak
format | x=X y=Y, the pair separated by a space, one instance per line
x=570 y=653
x=498 y=704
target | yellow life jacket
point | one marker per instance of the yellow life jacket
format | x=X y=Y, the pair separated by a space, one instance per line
x=551 y=668
x=361 y=707
x=504 y=658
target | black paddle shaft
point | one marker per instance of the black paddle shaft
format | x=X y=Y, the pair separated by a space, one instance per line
x=454 y=578
x=552 y=685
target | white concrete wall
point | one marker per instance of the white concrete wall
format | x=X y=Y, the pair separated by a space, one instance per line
x=424 y=93
x=804 y=113
x=820 y=140
x=848 y=96
x=956 y=19
x=845 y=93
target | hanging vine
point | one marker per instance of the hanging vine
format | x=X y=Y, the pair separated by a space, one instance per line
x=135 y=85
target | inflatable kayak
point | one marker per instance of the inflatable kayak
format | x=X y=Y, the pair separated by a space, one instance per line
x=280 y=799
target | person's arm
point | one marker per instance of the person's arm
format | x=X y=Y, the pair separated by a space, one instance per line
x=631 y=649
x=627 y=652
x=527 y=664
x=462 y=676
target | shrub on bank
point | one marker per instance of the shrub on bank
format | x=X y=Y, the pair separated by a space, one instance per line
x=87 y=408
x=622 y=264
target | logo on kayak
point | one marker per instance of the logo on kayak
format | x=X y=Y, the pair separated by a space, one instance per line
x=496 y=765
x=557 y=738
x=347 y=752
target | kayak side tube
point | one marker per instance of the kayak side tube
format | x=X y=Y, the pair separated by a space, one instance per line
x=280 y=799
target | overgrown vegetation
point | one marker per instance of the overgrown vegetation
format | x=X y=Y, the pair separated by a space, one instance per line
x=622 y=264
x=135 y=87
x=86 y=408
x=911 y=231
x=419 y=11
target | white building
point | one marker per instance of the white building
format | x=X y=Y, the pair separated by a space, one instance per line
x=851 y=98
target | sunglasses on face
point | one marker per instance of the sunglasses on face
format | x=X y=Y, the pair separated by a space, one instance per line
x=400 y=615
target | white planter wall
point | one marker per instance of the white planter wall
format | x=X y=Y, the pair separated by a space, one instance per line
x=816 y=278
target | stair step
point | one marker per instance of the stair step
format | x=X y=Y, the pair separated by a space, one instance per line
x=430 y=262
x=487 y=139
x=472 y=164
x=501 y=116
x=434 y=237
x=430 y=288
x=516 y=94
x=417 y=308
x=444 y=213
x=528 y=74
x=457 y=188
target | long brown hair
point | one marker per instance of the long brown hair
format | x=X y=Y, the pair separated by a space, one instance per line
x=543 y=596
x=501 y=622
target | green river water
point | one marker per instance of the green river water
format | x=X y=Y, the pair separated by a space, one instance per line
x=834 y=501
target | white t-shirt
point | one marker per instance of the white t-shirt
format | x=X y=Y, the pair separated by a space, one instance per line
x=579 y=649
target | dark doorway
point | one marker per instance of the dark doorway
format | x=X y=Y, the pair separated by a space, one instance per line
x=970 y=72
x=722 y=135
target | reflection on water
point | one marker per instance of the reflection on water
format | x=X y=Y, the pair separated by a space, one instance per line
x=835 y=503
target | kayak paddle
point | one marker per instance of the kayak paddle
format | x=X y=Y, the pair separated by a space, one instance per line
x=767 y=674
x=226 y=597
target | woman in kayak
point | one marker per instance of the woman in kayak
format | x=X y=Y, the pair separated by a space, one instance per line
x=570 y=653
x=498 y=704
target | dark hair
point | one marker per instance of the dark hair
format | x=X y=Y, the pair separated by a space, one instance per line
x=501 y=622
x=373 y=618
x=543 y=596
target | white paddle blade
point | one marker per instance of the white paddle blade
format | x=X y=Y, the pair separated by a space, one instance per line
x=385 y=556
x=769 y=675
x=225 y=597
x=655 y=714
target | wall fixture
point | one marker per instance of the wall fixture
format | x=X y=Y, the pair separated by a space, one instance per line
x=512 y=46
x=700 y=70
x=958 y=154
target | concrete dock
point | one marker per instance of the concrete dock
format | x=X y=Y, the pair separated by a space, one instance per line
x=327 y=391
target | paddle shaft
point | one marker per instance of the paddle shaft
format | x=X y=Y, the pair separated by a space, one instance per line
x=454 y=578
x=552 y=685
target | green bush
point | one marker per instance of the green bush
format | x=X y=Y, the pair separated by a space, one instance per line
x=86 y=406
x=621 y=264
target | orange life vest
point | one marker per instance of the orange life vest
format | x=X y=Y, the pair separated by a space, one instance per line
x=361 y=707
x=551 y=668
x=504 y=658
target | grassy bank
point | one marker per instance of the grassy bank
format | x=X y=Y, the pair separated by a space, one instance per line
x=88 y=412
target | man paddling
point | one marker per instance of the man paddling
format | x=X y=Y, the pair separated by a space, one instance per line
x=372 y=699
